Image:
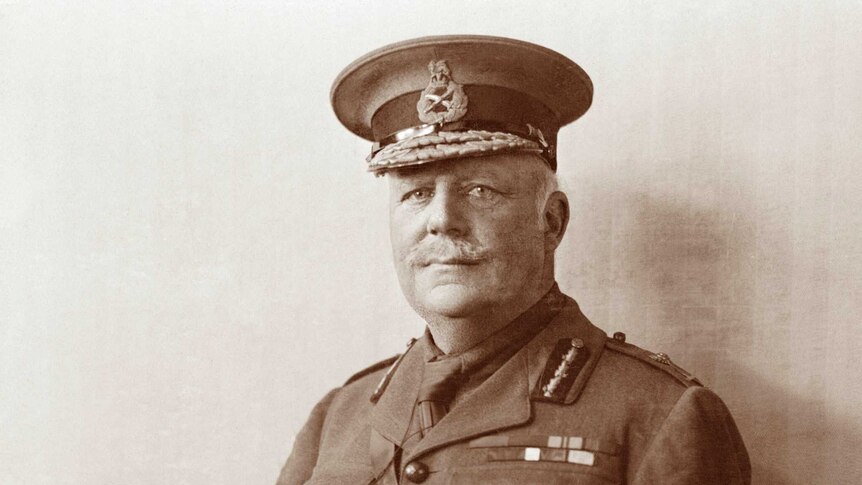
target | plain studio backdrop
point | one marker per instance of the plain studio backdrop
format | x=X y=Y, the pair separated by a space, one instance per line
x=191 y=253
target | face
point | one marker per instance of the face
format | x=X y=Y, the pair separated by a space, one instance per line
x=466 y=234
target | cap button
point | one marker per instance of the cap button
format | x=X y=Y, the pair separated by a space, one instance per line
x=416 y=471
x=619 y=336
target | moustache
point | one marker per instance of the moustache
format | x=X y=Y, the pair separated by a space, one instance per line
x=446 y=251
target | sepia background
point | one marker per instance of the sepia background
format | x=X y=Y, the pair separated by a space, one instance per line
x=191 y=253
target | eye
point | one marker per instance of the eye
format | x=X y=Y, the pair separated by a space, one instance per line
x=482 y=192
x=418 y=195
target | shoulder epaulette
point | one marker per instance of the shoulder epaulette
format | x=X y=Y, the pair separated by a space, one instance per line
x=372 y=368
x=391 y=362
x=658 y=360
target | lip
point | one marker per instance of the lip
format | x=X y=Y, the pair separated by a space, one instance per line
x=454 y=262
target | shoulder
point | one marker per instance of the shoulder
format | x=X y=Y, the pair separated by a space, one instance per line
x=354 y=395
x=633 y=357
x=636 y=388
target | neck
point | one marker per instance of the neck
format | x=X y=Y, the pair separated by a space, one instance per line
x=456 y=335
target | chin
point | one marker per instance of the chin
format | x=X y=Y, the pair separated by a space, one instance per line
x=452 y=300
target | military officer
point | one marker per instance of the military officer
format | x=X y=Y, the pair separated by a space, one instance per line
x=510 y=382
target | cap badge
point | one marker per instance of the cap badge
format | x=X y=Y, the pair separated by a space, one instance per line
x=443 y=100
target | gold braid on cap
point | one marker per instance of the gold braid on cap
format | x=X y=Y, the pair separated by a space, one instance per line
x=449 y=145
x=454 y=139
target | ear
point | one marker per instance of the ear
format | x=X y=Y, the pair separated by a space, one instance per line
x=556 y=216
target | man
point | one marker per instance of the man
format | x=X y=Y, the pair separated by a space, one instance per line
x=510 y=382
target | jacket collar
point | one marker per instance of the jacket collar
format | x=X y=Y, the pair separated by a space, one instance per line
x=502 y=401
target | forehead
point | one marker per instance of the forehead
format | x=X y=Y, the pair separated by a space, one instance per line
x=517 y=169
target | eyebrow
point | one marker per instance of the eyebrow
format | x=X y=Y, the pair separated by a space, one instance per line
x=405 y=182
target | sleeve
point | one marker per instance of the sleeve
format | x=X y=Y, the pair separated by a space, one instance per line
x=302 y=460
x=698 y=444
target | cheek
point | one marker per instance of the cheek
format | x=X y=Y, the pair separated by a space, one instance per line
x=405 y=233
x=519 y=246
x=402 y=234
x=516 y=234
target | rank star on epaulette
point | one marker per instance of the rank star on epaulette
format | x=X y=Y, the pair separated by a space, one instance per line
x=663 y=358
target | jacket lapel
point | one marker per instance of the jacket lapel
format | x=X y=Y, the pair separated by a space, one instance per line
x=502 y=401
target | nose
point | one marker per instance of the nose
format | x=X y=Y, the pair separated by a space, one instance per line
x=445 y=215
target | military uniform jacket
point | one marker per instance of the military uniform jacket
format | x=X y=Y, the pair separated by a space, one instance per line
x=621 y=415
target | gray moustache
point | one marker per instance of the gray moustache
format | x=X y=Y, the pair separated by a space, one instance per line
x=445 y=250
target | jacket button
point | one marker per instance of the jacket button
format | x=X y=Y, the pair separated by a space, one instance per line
x=620 y=337
x=416 y=471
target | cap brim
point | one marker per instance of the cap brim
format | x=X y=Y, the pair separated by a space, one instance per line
x=387 y=73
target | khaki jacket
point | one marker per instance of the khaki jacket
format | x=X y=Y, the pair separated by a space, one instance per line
x=627 y=417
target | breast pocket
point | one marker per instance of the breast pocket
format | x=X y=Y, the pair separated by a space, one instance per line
x=522 y=458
